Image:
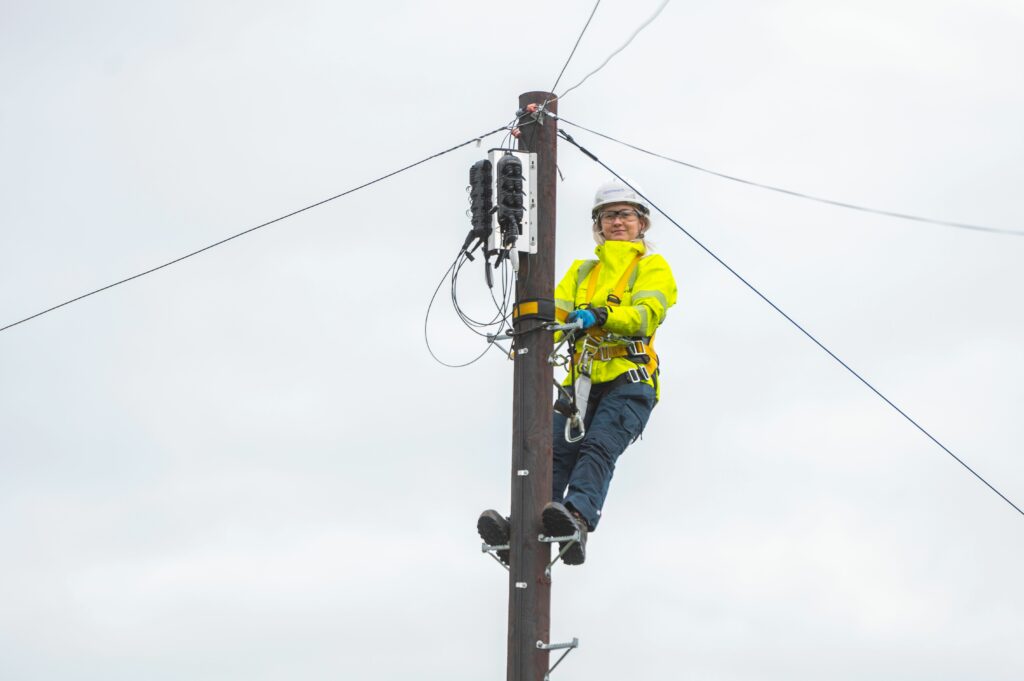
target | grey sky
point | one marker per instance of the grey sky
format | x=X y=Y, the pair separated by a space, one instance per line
x=248 y=467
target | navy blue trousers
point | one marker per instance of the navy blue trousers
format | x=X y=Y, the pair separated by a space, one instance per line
x=582 y=471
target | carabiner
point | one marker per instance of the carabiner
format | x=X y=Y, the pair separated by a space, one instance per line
x=569 y=424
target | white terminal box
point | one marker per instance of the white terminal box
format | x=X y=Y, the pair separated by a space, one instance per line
x=527 y=241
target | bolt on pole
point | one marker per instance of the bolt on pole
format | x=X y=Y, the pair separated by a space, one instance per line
x=529 y=594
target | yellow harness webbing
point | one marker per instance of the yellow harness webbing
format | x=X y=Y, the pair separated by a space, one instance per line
x=614 y=299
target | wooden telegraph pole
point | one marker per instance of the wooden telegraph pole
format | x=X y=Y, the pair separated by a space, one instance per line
x=529 y=590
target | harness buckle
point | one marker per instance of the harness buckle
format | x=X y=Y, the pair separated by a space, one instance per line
x=636 y=347
x=638 y=375
x=587 y=352
x=586 y=365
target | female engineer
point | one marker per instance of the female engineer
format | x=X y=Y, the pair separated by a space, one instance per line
x=620 y=299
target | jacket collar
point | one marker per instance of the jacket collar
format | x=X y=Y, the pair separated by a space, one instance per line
x=617 y=254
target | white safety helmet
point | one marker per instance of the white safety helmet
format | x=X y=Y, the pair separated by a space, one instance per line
x=616 y=192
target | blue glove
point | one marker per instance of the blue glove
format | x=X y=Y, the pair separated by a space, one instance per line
x=590 y=317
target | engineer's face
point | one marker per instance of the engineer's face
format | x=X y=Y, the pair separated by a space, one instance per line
x=615 y=227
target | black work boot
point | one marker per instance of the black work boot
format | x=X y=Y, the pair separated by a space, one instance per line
x=559 y=521
x=495 y=530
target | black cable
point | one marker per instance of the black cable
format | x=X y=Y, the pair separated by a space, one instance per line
x=508 y=290
x=642 y=26
x=469 y=322
x=503 y=306
x=500 y=308
x=499 y=320
x=763 y=297
x=566 y=65
x=801 y=195
x=260 y=226
x=516 y=122
x=426 y=318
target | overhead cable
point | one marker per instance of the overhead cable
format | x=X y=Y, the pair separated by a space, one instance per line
x=564 y=135
x=800 y=195
x=642 y=26
x=578 y=39
x=477 y=139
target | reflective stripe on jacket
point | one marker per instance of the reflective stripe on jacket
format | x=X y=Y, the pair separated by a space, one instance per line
x=651 y=290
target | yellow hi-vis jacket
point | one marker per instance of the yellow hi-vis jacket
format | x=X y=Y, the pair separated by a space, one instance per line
x=649 y=291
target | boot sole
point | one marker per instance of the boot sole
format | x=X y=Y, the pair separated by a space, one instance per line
x=559 y=524
x=491 y=531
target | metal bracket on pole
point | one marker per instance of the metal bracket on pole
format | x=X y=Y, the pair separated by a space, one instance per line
x=492 y=551
x=569 y=541
x=568 y=647
x=493 y=340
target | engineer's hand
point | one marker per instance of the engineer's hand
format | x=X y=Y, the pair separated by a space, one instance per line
x=590 y=317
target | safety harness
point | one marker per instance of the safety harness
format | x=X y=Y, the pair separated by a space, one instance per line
x=600 y=346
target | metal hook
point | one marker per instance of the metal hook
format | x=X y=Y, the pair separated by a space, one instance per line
x=574 y=422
